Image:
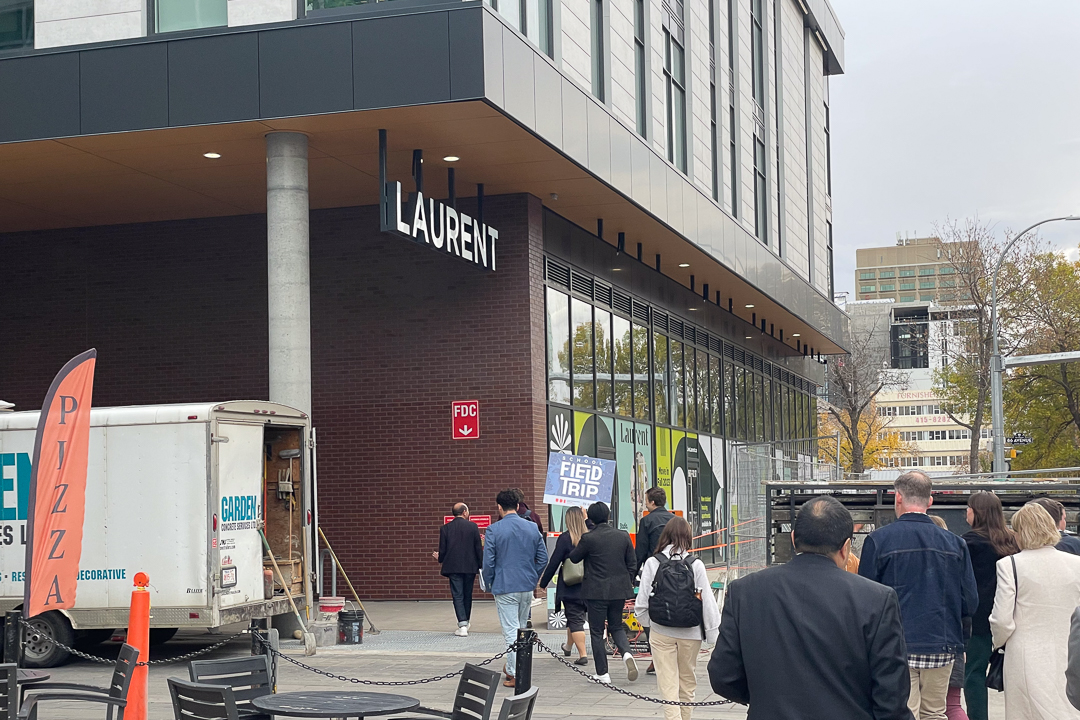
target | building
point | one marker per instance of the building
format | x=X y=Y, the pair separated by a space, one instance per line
x=913 y=338
x=913 y=270
x=621 y=248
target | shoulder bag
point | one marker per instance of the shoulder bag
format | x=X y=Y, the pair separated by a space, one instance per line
x=995 y=675
x=573 y=572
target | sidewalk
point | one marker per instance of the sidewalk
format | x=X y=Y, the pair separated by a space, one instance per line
x=416 y=642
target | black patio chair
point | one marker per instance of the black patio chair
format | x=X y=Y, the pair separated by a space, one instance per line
x=519 y=707
x=113 y=697
x=248 y=677
x=198 y=701
x=9 y=691
x=474 y=698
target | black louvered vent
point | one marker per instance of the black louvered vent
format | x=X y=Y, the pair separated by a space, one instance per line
x=659 y=319
x=602 y=293
x=676 y=327
x=581 y=284
x=766 y=368
x=740 y=356
x=558 y=274
x=641 y=312
x=716 y=345
x=729 y=351
x=621 y=302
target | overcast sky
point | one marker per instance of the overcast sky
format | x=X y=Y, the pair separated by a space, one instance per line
x=951 y=109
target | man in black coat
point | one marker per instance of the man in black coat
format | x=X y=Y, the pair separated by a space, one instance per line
x=650 y=527
x=461 y=554
x=807 y=640
x=610 y=565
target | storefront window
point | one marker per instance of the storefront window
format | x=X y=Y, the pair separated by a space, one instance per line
x=582 y=334
x=641 y=372
x=691 y=388
x=558 y=346
x=729 y=401
x=739 y=396
x=704 y=401
x=174 y=15
x=679 y=377
x=602 y=333
x=716 y=396
x=660 y=378
x=623 y=393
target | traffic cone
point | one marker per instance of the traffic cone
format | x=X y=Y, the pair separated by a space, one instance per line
x=138 y=636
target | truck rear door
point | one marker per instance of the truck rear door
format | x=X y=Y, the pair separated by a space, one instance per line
x=239 y=554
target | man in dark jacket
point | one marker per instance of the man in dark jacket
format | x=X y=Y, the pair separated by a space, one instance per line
x=809 y=641
x=526 y=512
x=609 y=581
x=650 y=527
x=461 y=554
x=930 y=569
x=1069 y=543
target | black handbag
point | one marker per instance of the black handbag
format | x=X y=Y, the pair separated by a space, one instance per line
x=995 y=674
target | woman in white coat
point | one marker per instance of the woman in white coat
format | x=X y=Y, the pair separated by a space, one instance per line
x=675 y=649
x=1032 y=614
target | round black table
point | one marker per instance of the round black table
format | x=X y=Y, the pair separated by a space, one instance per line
x=334 y=704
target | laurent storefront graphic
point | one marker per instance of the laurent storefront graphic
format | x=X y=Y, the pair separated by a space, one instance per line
x=433 y=222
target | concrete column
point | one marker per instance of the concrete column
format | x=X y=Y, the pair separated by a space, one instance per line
x=287 y=254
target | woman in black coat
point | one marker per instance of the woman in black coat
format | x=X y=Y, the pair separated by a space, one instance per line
x=988 y=541
x=568 y=597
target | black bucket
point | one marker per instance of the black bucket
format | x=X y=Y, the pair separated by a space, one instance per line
x=350 y=627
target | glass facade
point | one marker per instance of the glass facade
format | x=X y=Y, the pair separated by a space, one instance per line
x=663 y=398
x=174 y=15
x=16 y=24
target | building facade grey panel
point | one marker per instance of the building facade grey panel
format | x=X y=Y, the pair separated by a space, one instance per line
x=295 y=81
x=402 y=60
x=597 y=121
x=214 y=79
x=518 y=79
x=575 y=143
x=466 y=54
x=40 y=97
x=124 y=88
x=548 y=91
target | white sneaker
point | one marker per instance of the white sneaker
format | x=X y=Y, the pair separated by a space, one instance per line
x=631 y=667
x=462 y=631
x=605 y=678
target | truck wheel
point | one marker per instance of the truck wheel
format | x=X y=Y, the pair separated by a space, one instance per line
x=38 y=652
x=160 y=636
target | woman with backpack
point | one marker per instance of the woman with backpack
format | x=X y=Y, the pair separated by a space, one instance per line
x=568 y=588
x=676 y=602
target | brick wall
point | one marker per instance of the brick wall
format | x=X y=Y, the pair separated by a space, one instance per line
x=178 y=314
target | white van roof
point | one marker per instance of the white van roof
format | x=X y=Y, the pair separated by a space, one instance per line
x=157 y=414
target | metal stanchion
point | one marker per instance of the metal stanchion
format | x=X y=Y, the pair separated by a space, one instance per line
x=523 y=673
x=13 y=648
x=264 y=641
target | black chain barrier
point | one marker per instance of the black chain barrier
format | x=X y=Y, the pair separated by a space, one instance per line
x=634 y=695
x=39 y=635
x=391 y=683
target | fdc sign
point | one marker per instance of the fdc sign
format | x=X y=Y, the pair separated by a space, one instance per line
x=466 y=419
x=578 y=480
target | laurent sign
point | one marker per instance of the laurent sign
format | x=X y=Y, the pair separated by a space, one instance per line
x=432 y=222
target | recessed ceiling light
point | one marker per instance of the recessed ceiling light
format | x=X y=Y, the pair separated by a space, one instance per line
x=750 y=305
x=684 y=264
x=212 y=155
x=451 y=158
x=693 y=309
x=796 y=334
x=748 y=337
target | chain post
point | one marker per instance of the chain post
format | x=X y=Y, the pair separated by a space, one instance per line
x=523 y=673
x=13 y=647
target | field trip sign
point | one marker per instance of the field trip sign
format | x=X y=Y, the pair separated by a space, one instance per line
x=438 y=225
x=578 y=480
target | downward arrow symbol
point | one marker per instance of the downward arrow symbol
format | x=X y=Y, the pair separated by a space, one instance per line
x=465 y=429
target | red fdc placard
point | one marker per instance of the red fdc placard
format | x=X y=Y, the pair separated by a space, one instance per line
x=466 y=419
x=482 y=521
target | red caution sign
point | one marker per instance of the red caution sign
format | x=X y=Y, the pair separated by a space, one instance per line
x=482 y=521
x=466 y=417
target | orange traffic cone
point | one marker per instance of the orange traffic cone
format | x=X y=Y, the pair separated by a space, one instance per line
x=138 y=636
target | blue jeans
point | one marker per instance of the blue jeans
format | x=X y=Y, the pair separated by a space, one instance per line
x=514 y=611
x=461 y=587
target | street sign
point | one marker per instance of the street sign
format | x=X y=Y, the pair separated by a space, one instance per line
x=1019 y=439
x=466 y=419
x=482 y=521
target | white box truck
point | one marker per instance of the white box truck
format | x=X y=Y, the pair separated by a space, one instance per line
x=179 y=492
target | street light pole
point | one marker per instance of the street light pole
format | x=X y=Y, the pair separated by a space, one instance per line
x=997 y=364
